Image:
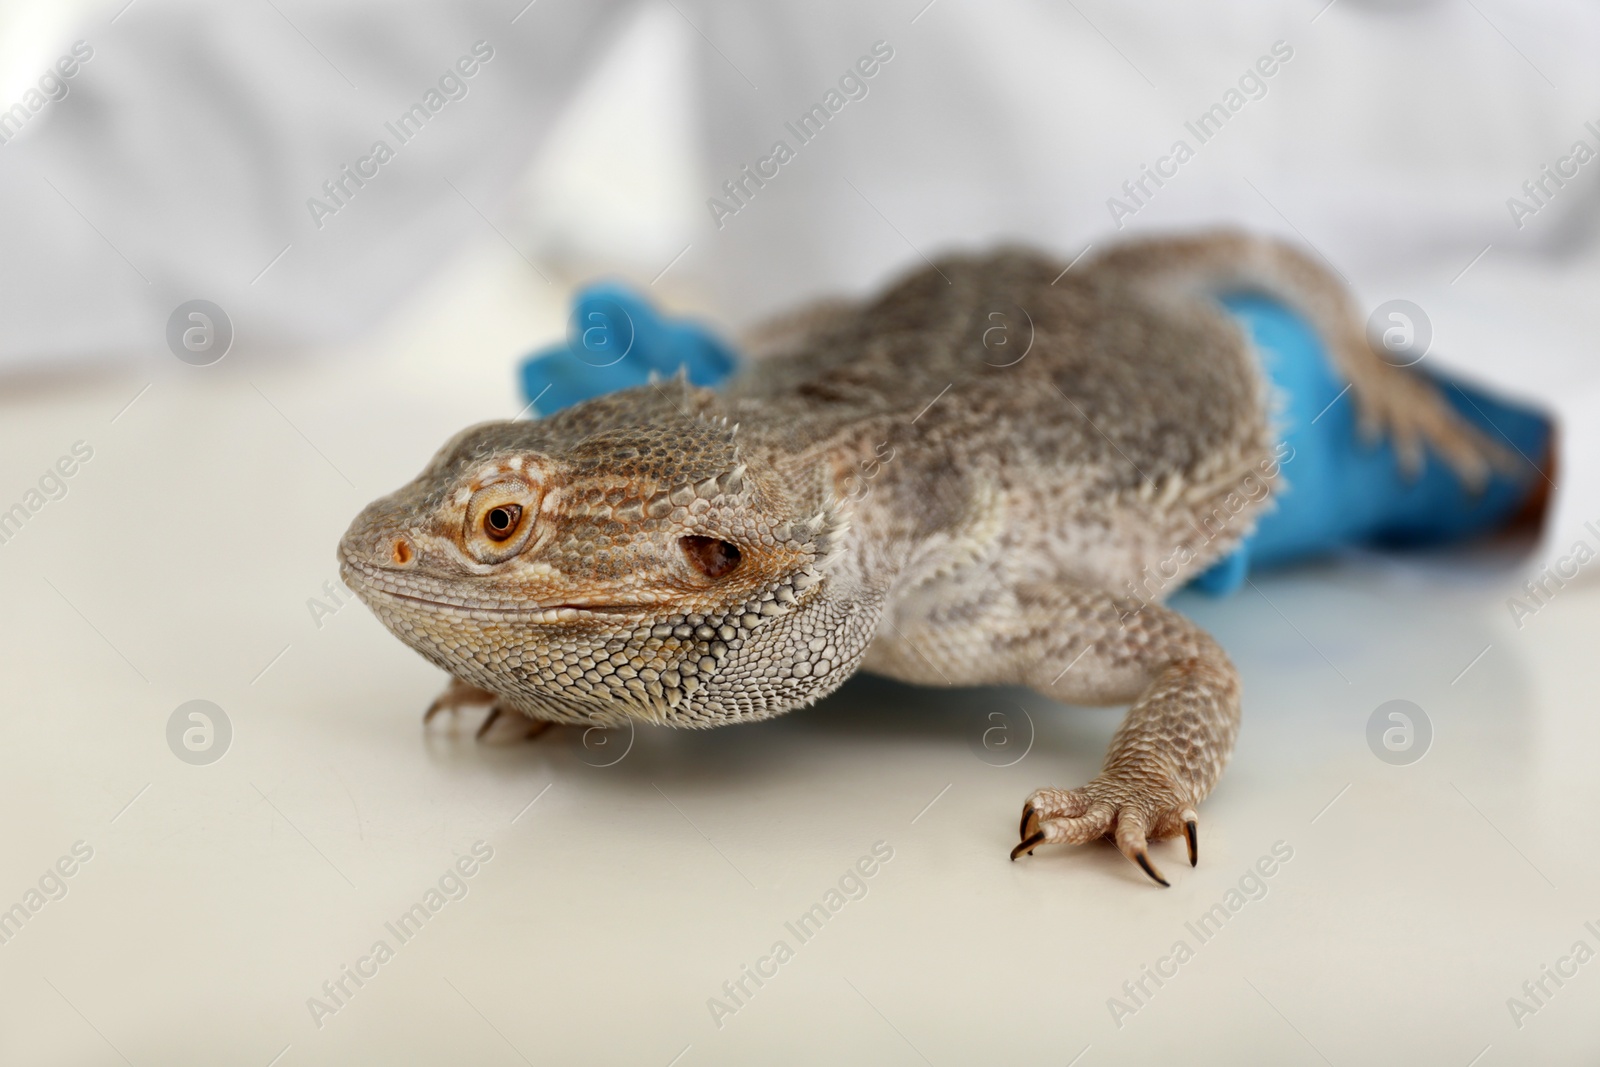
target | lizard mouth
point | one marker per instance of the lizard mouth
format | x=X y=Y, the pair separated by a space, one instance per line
x=522 y=613
x=511 y=609
x=373 y=585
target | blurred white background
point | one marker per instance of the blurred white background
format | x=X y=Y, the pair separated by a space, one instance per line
x=187 y=558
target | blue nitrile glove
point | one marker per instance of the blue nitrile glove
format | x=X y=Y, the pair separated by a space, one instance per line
x=1343 y=491
x=615 y=339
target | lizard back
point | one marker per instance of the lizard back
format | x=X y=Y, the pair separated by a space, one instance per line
x=1106 y=421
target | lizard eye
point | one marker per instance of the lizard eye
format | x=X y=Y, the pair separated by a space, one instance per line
x=500 y=522
x=500 y=518
x=711 y=557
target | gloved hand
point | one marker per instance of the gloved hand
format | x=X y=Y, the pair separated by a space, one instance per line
x=615 y=339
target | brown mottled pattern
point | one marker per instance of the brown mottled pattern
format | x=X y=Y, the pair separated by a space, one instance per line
x=970 y=479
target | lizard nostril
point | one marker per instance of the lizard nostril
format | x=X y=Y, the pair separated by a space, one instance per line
x=401 y=552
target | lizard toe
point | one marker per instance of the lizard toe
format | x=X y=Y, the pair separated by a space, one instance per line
x=457 y=695
x=1078 y=829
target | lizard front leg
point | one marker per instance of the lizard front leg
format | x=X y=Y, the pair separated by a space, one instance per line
x=1169 y=751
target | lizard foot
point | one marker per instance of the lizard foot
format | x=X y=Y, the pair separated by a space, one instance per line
x=459 y=694
x=1128 y=808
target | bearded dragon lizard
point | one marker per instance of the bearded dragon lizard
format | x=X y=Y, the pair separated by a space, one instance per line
x=888 y=489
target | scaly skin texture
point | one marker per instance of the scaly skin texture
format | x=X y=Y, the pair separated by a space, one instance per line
x=990 y=474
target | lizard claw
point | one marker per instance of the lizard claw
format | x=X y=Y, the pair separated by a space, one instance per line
x=1029 y=843
x=1143 y=859
x=494 y=713
x=436 y=707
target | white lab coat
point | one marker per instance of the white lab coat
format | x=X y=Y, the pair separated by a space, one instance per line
x=190 y=151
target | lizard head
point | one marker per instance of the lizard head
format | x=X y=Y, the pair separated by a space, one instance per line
x=594 y=568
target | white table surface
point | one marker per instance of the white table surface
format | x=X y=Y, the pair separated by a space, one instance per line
x=219 y=898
